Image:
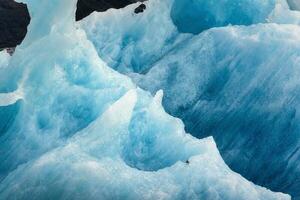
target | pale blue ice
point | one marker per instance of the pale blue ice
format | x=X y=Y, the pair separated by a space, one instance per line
x=228 y=69
x=73 y=128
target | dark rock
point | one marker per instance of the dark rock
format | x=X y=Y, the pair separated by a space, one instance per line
x=86 y=7
x=140 y=9
x=14 y=19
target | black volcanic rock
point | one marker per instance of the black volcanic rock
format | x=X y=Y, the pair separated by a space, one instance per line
x=14 y=17
x=86 y=7
x=140 y=9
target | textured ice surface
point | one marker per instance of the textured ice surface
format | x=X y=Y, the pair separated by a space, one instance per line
x=126 y=41
x=4 y=59
x=281 y=16
x=294 y=4
x=237 y=83
x=111 y=159
x=199 y=15
x=72 y=128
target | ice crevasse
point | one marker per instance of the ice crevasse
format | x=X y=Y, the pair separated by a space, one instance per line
x=228 y=69
x=73 y=128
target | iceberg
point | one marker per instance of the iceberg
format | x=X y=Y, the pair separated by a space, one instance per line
x=233 y=77
x=80 y=130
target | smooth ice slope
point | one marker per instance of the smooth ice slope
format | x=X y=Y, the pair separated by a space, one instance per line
x=236 y=83
x=4 y=59
x=199 y=15
x=82 y=131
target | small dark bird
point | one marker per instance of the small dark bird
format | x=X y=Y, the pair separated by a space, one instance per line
x=187 y=162
x=140 y=9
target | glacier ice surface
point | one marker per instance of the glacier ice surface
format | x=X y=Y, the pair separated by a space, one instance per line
x=294 y=4
x=199 y=15
x=80 y=130
x=234 y=78
x=4 y=59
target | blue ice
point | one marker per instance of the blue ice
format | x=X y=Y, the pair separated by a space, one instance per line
x=232 y=73
x=73 y=128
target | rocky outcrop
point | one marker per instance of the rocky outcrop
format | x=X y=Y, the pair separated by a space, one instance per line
x=85 y=7
x=14 y=19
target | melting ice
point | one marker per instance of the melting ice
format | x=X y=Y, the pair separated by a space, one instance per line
x=228 y=69
x=73 y=128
